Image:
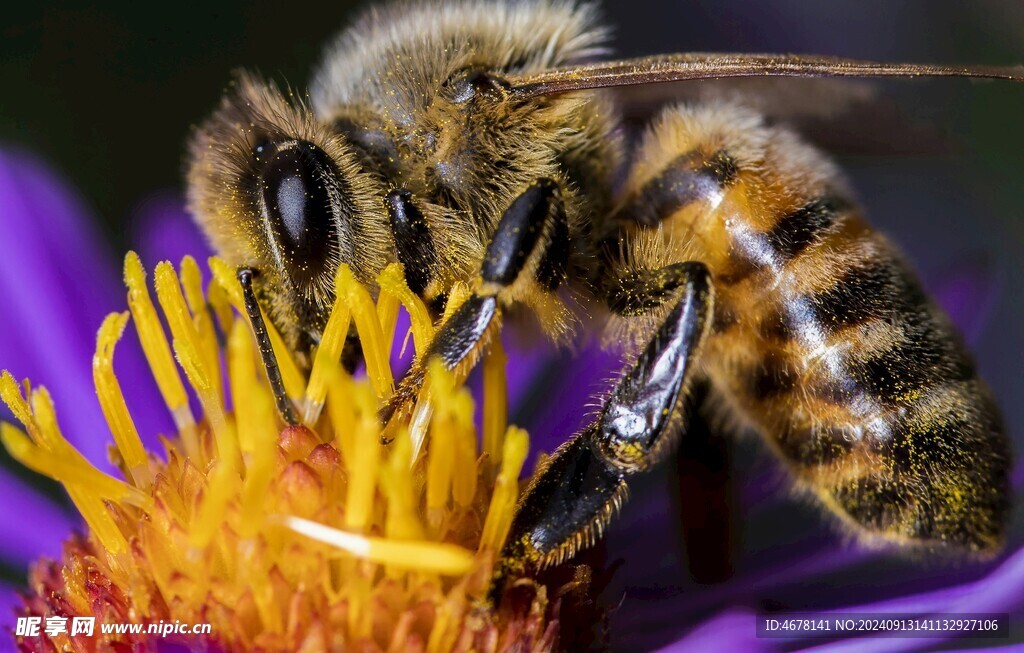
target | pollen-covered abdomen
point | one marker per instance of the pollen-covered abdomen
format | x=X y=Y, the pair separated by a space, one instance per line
x=823 y=340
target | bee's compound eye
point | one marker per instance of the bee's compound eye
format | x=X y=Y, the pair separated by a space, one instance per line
x=299 y=184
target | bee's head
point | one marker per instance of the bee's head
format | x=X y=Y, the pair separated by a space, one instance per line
x=419 y=88
x=276 y=192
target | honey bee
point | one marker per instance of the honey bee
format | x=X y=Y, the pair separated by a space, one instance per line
x=477 y=141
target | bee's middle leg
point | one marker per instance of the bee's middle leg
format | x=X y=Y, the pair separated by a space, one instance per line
x=529 y=246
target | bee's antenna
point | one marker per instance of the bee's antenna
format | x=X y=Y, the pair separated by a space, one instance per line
x=691 y=66
x=259 y=329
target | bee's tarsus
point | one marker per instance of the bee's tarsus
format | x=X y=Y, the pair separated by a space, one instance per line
x=457 y=344
x=259 y=329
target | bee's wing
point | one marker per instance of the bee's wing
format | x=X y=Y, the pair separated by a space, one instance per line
x=843 y=116
x=692 y=66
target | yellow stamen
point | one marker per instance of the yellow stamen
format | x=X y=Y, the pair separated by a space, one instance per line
x=457 y=296
x=260 y=468
x=192 y=283
x=495 y=418
x=294 y=383
x=362 y=481
x=397 y=483
x=464 y=450
x=221 y=487
x=341 y=406
x=328 y=353
x=441 y=461
x=445 y=631
x=126 y=436
x=387 y=315
x=392 y=284
x=154 y=343
x=242 y=375
x=72 y=471
x=364 y=314
x=440 y=558
x=221 y=305
x=188 y=347
x=506 y=490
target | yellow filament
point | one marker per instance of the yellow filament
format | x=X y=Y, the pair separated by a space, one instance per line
x=187 y=346
x=50 y=454
x=364 y=314
x=506 y=490
x=362 y=480
x=441 y=459
x=242 y=376
x=392 y=283
x=341 y=407
x=154 y=343
x=440 y=467
x=260 y=468
x=221 y=305
x=294 y=383
x=457 y=296
x=59 y=448
x=220 y=489
x=464 y=450
x=100 y=522
x=10 y=393
x=396 y=481
x=126 y=436
x=435 y=557
x=387 y=315
x=70 y=471
x=442 y=636
x=332 y=343
x=192 y=283
x=495 y=417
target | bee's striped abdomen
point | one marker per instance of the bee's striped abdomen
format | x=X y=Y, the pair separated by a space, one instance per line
x=824 y=340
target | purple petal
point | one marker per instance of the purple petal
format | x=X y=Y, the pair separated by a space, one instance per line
x=162 y=230
x=968 y=292
x=41 y=525
x=9 y=602
x=58 y=281
x=554 y=393
x=402 y=349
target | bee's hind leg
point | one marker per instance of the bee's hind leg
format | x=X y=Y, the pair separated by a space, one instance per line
x=570 y=502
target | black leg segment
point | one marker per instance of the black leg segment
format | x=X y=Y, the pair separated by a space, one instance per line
x=570 y=502
x=259 y=329
x=520 y=231
x=636 y=415
x=413 y=243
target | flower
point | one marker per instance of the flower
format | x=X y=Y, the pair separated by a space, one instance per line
x=785 y=555
x=306 y=538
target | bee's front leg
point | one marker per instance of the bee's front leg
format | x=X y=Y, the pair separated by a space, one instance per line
x=570 y=502
x=529 y=247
